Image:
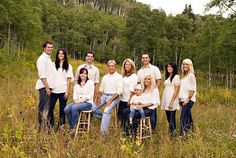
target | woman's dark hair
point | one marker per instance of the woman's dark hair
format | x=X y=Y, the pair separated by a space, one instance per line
x=175 y=70
x=65 y=65
x=82 y=70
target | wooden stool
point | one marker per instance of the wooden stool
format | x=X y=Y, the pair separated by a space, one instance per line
x=145 y=131
x=114 y=117
x=83 y=125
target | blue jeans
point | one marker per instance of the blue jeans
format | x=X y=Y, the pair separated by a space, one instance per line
x=44 y=103
x=186 y=120
x=171 y=120
x=62 y=103
x=106 y=115
x=72 y=111
x=132 y=111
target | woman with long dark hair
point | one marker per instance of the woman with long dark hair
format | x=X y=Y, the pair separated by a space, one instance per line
x=82 y=96
x=170 y=102
x=63 y=75
x=187 y=96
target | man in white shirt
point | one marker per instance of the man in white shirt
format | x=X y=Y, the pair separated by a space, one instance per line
x=148 y=68
x=110 y=89
x=93 y=71
x=45 y=82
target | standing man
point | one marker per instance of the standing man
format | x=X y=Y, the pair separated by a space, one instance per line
x=148 y=68
x=108 y=95
x=45 y=82
x=93 y=72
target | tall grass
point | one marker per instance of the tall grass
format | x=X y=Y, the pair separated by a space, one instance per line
x=214 y=118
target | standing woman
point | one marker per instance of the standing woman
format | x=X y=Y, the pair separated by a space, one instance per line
x=63 y=75
x=170 y=99
x=187 y=95
x=129 y=82
x=82 y=96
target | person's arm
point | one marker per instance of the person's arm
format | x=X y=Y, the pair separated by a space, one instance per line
x=48 y=91
x=158 y=83
x=191 y=88
x=175 y=94
x=68 y=87
x=96 y=82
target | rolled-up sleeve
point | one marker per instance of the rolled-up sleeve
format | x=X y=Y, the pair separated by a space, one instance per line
x=69 y=73
x=96 y=77
x=41 y=63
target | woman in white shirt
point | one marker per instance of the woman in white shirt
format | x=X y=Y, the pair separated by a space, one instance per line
x=63 y=74
x=129 y=81
x=151 y=100
x=187 y=95
x=170 y=99
x=82 y=96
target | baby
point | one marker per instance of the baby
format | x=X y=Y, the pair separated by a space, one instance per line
x=135 y=101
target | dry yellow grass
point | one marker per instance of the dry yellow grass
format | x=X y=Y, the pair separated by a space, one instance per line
x=214 y=117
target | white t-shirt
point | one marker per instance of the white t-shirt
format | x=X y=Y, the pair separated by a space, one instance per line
x=128 y=86
x=112 y=83
x=45 y=68
x=150 y=69
x=151 y=97
x=60 y=82
x=87 y=90
x=188 y=83
x=168 y=93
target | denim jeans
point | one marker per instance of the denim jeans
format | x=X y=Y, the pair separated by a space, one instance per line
x=44 y=103
x=132 y=111
x=62 y=104
x=171 y=120
x=72 y=111
x=106 y=115
x=186 y=120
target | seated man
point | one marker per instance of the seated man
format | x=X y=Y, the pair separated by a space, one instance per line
x=108 y=95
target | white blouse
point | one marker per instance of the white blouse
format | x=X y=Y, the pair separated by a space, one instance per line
x=135 y=100
x=60 y=82
x=151 y=97
x=128 y=86
x=188 y=83
x=168 y=93
x=87 y=90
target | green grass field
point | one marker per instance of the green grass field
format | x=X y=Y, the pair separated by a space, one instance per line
x=214 y=116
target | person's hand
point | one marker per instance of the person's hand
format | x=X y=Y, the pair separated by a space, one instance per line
x=139 y=106
x=97 y=101
x=77 y=101
x=170 y=105
x=48 y=91
x=66 y=95
x=185 y=102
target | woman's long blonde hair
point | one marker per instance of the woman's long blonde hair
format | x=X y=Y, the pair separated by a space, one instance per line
x=190 y=63
x=153 y=83
x=123 y=71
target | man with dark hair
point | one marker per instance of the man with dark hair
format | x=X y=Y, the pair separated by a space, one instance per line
x=93 y=72
x=45 y=82
x=148 y=68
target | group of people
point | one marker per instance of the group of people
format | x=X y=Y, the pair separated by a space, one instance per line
x=136 y=95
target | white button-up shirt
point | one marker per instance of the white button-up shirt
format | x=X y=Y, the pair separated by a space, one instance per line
x=46 y=70
x=60 y=84
x=151 y=97
x=112 y=83
x=128 y=86
x=188 y=83
x=93 y=72
x=150 y=69
x=87 y=90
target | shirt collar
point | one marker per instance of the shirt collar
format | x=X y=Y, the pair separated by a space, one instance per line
x=45 y=54
x=149 y=65
x=88 y=65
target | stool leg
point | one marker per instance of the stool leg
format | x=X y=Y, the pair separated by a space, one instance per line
x=150 y=127
x=78 y=124
x=89 y=117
